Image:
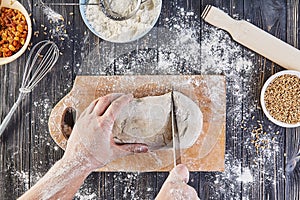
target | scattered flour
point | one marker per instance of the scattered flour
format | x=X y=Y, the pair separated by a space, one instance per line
x=187 y=48
x=85 y=195
x=23 y=177
x=56 y=29
x=46 y=107
x=126 y=30
x=52 y=15
x=246 y=176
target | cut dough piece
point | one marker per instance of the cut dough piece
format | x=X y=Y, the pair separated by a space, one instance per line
x=148 y=120
x=189 y=119
x=145 y=120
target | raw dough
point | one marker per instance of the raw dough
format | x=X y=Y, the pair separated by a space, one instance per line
x=189 y=119
x=148 y=120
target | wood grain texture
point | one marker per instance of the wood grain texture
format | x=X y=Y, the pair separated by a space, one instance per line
x=208 y=92
x=27 y=150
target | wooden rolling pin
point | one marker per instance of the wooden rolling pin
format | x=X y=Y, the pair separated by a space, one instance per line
x=254 y=38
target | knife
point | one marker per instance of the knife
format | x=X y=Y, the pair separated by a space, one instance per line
x=175 y=134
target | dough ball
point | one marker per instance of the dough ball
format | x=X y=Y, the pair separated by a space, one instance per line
x=148 y=120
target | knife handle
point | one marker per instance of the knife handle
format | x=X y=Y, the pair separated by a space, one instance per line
x=254 y=38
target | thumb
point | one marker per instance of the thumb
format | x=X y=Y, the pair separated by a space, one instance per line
x=178 y=174
x=128 y=149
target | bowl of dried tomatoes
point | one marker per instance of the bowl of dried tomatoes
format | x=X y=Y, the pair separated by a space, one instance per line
x=15 y=31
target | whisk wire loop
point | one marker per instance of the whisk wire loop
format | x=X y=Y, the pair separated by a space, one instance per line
x=44 y=63
x=41 y=59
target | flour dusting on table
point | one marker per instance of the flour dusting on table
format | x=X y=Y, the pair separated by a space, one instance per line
x=52 y=15
x=187 y=48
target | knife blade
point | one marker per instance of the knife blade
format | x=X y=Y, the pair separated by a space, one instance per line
x=175 y=134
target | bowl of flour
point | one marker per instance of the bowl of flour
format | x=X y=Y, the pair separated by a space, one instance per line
x=120 y=31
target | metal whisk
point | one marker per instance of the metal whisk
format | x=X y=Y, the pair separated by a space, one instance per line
x=41 y=59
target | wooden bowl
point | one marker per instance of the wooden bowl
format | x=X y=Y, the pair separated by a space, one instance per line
x=18 y=6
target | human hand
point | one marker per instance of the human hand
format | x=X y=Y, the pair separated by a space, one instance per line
x=176 y=187
x=91 y=141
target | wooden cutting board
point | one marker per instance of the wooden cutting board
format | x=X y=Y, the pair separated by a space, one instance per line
x=208 y=91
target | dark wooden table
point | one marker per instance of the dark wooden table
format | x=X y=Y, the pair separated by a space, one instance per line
x=255 y=167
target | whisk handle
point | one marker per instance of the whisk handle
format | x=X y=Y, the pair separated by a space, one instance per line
x=6 y=120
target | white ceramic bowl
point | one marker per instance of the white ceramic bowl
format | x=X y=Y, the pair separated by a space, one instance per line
x=18 y=6
x=263 y=105
x=100 y=34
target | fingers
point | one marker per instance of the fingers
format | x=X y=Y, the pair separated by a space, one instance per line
x=184 y=192
x=123 y=150
x=191 y=193
x=116 y=106
x=104 y=102
x=90 y=108
x=132 y=148
x=178 y=174
x=175 y=187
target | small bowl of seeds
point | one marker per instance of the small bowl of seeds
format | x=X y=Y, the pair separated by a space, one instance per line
x=280 y=98
x=15 y=31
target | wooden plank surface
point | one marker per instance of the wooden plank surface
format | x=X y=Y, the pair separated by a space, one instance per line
x=180 y=43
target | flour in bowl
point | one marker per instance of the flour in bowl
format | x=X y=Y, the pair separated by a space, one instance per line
x=127 y=30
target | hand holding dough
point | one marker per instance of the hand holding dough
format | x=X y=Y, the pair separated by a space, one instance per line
x=91 y=139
